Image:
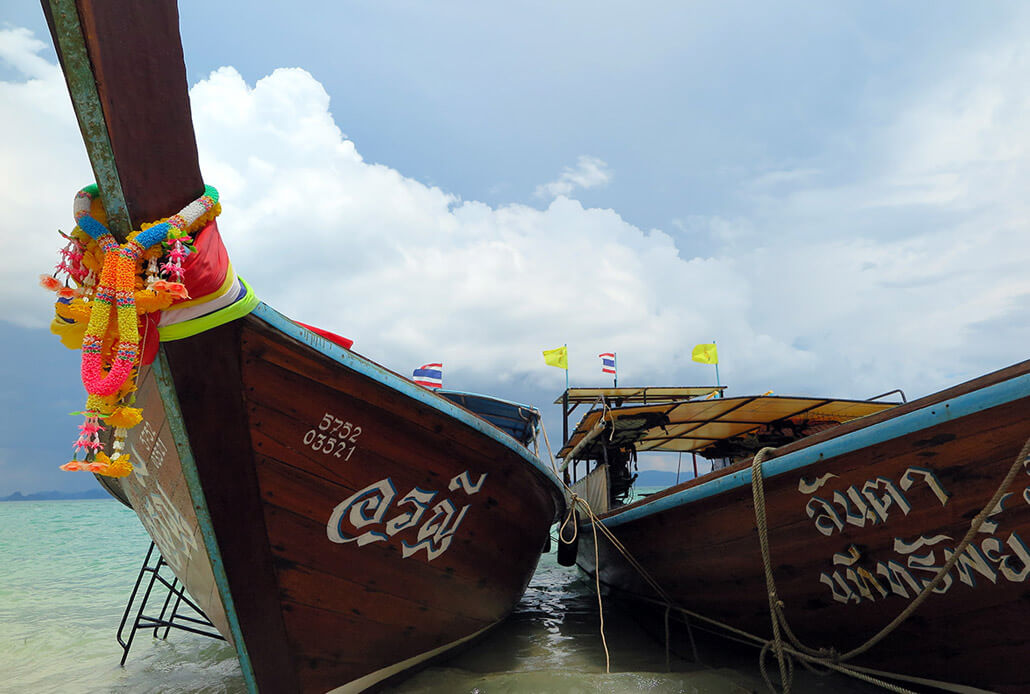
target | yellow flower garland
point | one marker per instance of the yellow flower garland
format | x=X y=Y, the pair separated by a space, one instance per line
x=110 y=280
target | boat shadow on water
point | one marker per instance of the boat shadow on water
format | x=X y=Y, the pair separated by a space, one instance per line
x=552 y=643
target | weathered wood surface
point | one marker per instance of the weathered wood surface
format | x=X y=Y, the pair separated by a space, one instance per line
x=158 y=494
x=840 y=585
x=331 y=612
x=207 y=382
x=136 y=58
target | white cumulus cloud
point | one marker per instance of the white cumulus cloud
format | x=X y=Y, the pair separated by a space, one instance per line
x=909 y=273
x=589 y=172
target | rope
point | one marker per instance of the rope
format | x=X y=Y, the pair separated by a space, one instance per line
x=785 y=654
x=622 y=550
x=693 y=643
x=668 y=664
x=974 y=528
x=570 y=516
x=550 y=455
x=741 y=636
x=829 y=657
x=758 y=493
x=600 y=610
x=574 y=500
x=667 y=602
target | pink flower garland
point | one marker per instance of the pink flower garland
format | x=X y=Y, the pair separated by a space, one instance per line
x=115 y=294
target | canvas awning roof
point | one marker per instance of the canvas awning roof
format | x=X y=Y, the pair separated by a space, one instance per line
x=643 y=395
x=697 y=424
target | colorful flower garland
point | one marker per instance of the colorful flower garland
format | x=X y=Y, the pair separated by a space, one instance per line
x=111 y=350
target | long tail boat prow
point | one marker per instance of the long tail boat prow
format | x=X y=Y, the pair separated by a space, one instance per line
x=337 y=523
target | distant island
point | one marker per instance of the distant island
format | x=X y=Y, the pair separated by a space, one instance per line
x=646 y=478
x=661 y=478
x=58 y=496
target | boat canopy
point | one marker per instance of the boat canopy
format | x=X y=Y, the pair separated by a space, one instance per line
x=642 y=395
x=695 y=425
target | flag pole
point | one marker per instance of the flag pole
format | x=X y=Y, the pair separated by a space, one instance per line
x=566 y=346
x=717 y=383
x=615 y=376
x=559 y=356
x=565 y=407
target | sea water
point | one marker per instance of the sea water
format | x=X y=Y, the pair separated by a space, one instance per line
x=67 y=568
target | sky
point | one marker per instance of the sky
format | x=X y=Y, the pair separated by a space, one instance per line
x=834 y=193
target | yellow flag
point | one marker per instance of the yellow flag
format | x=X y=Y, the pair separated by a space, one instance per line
x=705 y=354
x=557 y=357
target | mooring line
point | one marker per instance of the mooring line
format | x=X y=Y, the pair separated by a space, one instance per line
x=827 y=658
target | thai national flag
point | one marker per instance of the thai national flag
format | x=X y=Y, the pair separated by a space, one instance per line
x=607 y=362
x=429 y=375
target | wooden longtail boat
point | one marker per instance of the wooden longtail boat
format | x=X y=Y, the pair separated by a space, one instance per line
x=863 y=509
x=337 y=523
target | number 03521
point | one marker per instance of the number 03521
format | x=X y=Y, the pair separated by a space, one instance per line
x=333 y=437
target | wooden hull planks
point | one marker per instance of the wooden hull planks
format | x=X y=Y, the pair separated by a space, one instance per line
x=361 y=530
x=859 y=520
x=157 y=491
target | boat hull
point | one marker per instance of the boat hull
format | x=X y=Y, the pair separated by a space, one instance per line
x=159 y=494
x=859 y=519
x=355 y=525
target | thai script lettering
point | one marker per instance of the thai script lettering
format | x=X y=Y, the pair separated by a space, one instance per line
x=173 y=534
x=906 y=575
x=871 y=503
x=915 y=562
x=368 y=508
x=149 y=441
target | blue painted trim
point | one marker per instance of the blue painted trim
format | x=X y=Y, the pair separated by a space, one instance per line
x=924 y=418
x=491 y=397
x=173 y=413
x=402 y=385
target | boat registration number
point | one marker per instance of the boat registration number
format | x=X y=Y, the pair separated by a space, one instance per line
x=333 y=437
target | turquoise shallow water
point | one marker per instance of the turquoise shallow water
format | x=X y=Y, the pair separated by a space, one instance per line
x=66 y=570
x=67 y=567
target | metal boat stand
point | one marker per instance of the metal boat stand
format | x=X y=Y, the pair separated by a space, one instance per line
x=169 y=618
